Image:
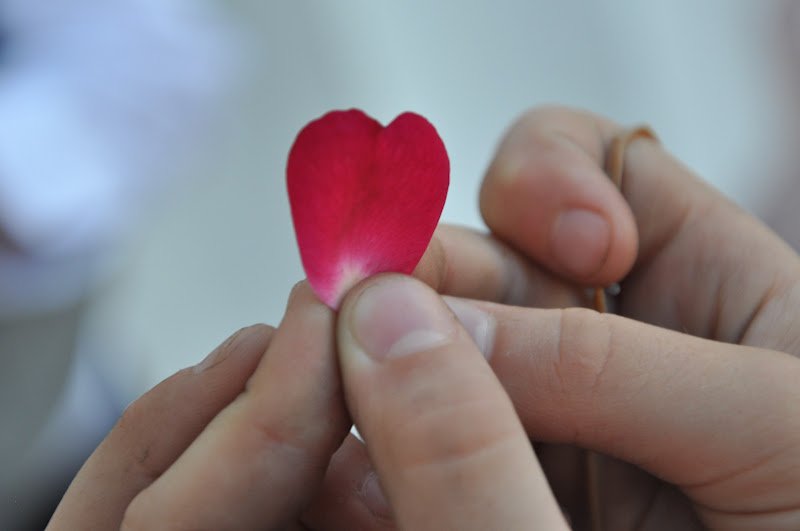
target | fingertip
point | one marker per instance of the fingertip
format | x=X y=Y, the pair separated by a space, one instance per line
x=546 y=193
x=624 y=248
x=250 y=340
x=302 y=293
x=303 y=301
x=391 y=316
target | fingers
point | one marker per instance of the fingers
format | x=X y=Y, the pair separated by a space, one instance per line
x=465 y=263
x=259 y=461
x=546 y=193
x=439 y=428
x=710 y=417
x=155 y=430
x=701 y=264
x=351 y=496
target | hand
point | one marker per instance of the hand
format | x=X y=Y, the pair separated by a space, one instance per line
x=703 y=398
x=255 y=436
x=446 y=443
x=241 y=441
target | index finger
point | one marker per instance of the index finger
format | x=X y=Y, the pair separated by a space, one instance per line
x=154 y=430
x=259 y=462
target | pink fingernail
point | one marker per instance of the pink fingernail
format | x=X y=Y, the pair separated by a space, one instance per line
x=479 y=324
x=397 y=316
x=374 y=498
x=580 y=240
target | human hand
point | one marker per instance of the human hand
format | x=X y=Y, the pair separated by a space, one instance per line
x=255 y=436
x=703 y=397
x=241 y=441
x=564 y=395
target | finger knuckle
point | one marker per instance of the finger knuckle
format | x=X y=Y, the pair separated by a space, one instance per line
x=285 y=438
x=446 y=437
x=137 y=518
x=134 y=417
x=149 y=511
x=583 y=352
x=131 y=429
x=293 y=438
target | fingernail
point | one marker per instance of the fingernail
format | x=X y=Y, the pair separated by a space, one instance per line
x=479 y=324
x=220 y=353
x=580 y=240
x=397 y=316
x=509 y=164
x=374 y=498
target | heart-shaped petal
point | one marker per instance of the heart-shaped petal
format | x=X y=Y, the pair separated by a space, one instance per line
x=365 y=198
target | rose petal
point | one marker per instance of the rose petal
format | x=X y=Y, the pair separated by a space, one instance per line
x=365 y=198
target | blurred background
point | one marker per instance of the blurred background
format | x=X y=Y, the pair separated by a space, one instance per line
x=143 y=212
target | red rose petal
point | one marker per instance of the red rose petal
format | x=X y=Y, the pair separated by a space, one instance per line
x=365 y=198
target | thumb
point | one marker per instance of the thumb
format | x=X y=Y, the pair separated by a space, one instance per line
x=446 y=442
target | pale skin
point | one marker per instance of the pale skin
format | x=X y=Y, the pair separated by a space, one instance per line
x=693 y=389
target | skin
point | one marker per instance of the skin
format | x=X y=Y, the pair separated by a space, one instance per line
x=689 y=394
